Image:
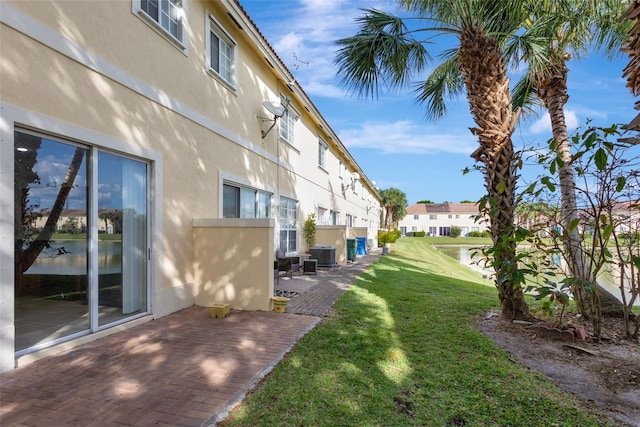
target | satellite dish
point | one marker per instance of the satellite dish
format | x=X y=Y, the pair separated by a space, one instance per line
x=275 y=108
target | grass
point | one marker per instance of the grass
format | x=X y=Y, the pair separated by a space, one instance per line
x=83 y=236
x=402 y=351
x=444 y=240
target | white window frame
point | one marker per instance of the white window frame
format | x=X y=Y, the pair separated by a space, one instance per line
x=288 y=217
x=258 y=207
x=349 y=220
x=225 y=40
x=321 y=215
x=323 y=149
x=342 y=170
x=287 y=124
x=334 y=217
x=180 y=40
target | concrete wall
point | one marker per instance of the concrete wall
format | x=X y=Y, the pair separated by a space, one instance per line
x=331 y=235
x=233 y=262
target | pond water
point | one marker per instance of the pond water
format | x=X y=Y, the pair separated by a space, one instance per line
x=69 y=257
x=463 y=254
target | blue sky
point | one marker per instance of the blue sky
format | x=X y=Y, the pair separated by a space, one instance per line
x=389 y=136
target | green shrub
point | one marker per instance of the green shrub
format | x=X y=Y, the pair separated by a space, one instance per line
x=478 y=234
x=419 y=234
x=385 y=237
x=455 y=231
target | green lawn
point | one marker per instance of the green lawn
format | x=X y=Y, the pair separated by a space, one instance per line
x=402 y=351
x=83 y=236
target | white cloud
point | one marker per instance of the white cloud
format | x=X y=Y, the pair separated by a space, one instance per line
x=543 y=124
x=405 y=136
x=307 y=44
x=290 y=42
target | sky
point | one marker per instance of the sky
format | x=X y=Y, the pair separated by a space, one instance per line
x=389 y=136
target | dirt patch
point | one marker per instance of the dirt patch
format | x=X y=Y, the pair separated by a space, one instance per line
x=605 y=375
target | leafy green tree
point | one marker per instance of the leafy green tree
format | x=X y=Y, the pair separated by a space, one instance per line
x=426 y=202
x=567 y=29
x=71 y=225
x=309 y=230
x=389 y=52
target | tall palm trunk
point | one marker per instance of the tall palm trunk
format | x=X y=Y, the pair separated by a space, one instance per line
x=552 y=89
x=483 y=68
x=25 y=257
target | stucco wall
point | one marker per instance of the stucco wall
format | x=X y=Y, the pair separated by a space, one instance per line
x=331 y=235
x=233 y=262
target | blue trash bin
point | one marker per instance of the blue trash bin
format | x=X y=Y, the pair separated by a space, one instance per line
x=362 y=246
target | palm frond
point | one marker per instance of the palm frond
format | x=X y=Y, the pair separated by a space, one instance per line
x=525 y=97
x=384 y=53
x=444 y=82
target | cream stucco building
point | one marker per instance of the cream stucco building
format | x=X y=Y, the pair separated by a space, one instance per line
x=159 y=112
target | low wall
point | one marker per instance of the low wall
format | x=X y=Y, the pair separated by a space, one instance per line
x=233 y=262
x=333 y=235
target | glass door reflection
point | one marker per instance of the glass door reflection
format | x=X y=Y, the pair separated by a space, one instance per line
x=122 y=237
x=50 y=255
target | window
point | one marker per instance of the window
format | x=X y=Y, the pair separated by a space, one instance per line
x=167 y=15
x=449 y=216
x=414 y=228
x=335 y=217
x=433 y=231
x=342 y=170
x=349 y=220
x=288 y=225
x=243 y=202
x=416 y=217
x=322 y=216
x=221 y=53
x=322 y=154
x=287 y=125
x=457 y=216
x=433 y=216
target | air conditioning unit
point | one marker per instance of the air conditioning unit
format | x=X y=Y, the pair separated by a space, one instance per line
x=326 y=255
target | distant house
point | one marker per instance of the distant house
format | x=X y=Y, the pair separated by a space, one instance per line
x=436 y=219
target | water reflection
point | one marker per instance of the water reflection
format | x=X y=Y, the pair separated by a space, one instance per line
x=69 y=257
x=463 y=254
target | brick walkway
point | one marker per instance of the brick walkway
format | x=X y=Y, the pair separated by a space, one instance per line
x=185 y=369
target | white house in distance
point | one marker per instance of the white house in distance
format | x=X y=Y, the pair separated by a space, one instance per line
x=179 y=119
x=436 y=219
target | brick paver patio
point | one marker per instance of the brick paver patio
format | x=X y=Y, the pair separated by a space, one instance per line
x=185 y=369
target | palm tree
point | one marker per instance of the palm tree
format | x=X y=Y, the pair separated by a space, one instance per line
x=386 y=51
x=632 y=48
x=566 y=29
x=26 y=249
x=395 y=203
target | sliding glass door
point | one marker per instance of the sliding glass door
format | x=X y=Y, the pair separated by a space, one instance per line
x=81 y=239
x=122 y=244
x=50 y=256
